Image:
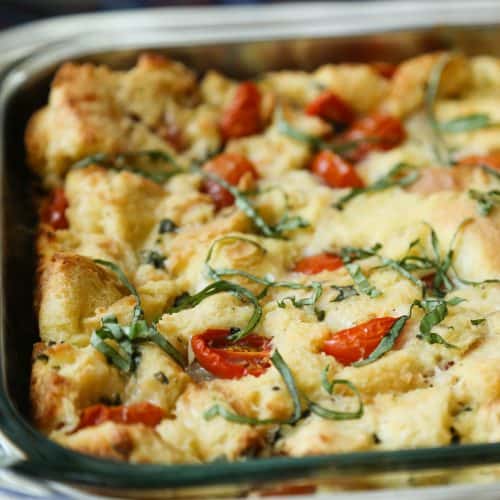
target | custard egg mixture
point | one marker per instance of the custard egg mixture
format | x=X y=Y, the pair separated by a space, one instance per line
x=299 y=264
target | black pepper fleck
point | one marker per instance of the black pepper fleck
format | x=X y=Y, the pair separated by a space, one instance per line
x=161 y=377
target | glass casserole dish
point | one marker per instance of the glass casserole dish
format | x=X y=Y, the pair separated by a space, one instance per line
x=239 y=54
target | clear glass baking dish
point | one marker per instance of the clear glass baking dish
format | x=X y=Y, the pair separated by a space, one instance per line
x=243 y=47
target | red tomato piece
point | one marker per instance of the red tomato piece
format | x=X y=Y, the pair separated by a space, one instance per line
x=331 y=107
x=230 y=167
x=335 y=171
x=242 y=116
x=54 y=213
x=376 y=133
x=491 y=160
x=249 y=356
x=358 y=342
x=139 y=413
x=385 y=69
x=317 y=263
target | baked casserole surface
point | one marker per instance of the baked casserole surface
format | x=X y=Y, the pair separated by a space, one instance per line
x=304 y=263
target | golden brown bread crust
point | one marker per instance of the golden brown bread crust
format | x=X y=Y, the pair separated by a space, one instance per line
x=412 y=396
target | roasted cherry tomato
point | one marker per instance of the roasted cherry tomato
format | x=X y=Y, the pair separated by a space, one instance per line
x=172 y=133
x=54 y=212
x=358 y=342
x=385 y=69
x=249 y=356
x=228 y=166
x=331 y=107
x=491 y=160
x=376 y=133
x=242 y=116
x=335 y=171
x=317 y=263
x=139 y=413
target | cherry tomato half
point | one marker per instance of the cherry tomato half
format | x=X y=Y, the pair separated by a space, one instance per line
x=331 y=107
x=335 y=171
x=358 y=342
x=317 y=263
x=491 y=160
x=139 y=413
x=376 y=133
x=385 y=69
x=54 y=213
x=249 y=356
x=242 y=116
x=228 y=166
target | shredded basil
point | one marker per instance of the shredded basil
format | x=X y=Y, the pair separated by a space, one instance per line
x=286 y=375
x=287 y=222
x=490 y=170
x=245 y=205
x=286 y=129
x=402 y=174
x=165 y=345
x=468 y=123
x=128 y=337
x=464 y=281
x=122 y=361
x=138 y=314
x=477 y=321
x=345 y=292
x=329 y=414
x=361 y=281
x=387 y=342
x=439 y=146
x=224 y=240
x=120 y=161
x=308 y=301
x=486 y=200
x=436 y=310
x=316 y=143
x=399 y=268
x=222 y=286
x=217 y=274
x=349 y=254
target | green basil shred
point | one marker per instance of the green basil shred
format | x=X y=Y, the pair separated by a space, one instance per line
x=330 y=414
x=222 y=286
x=387 y=342
x=345 y=292
x=402 y=174
x=241 y=200
x=314 y=142
x=477 y=321
x=216 y=274
x=486 y=200
x=121 y=161
x=218 y=410
x=436 y=310
x=128 y=337
x=468 y=123
x=439 y=146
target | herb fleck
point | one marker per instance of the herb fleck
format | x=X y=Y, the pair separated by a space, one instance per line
x=167 y=226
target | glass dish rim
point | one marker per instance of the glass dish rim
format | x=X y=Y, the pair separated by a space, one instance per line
x=48 y=460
